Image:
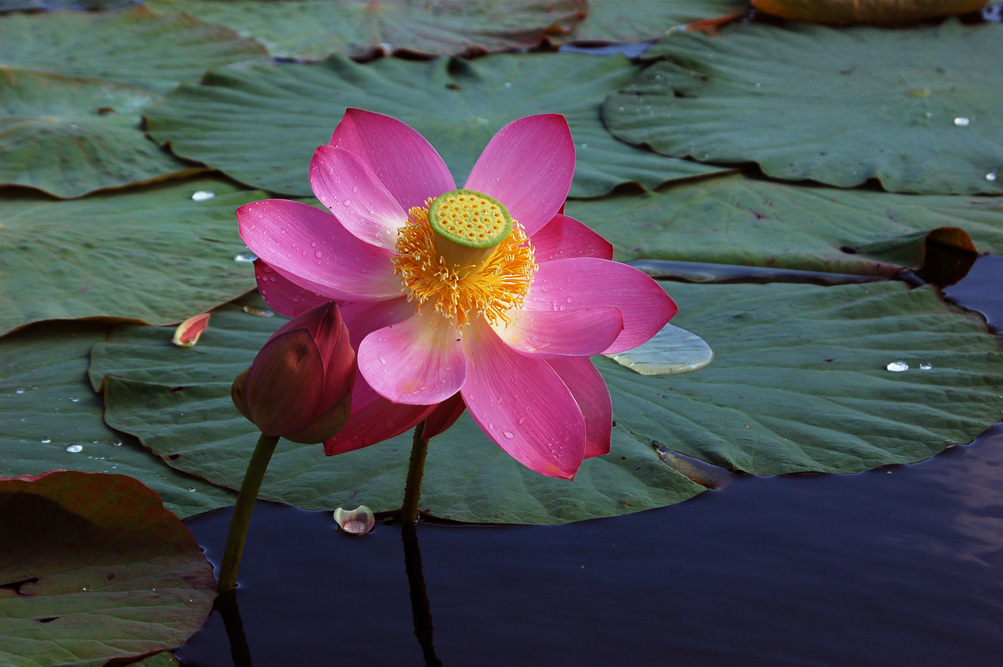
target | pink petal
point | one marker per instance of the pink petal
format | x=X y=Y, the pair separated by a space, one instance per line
x=405 y=163
x=564 y=237
x=418 y=361
x=282 y=295
x=344 y=183
x=587 y=281
x=557 y=333
x=364 y=317
x=590 y=392
x=528 y=167
x=303 y=242
x=445 y=415
x=523 y=405
x=374 y=419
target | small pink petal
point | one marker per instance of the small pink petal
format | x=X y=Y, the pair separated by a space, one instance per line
x=364 y=317
x=418 y=361
x=528 y=167
x=557 y=333
x=345 y=184
x=189 y=331
x=592 y=395
x=587 y=281
x=282 y=295
x=374 y=419
x=564 y=237
x=309 y=247
x=523 y=405
x=445 y=415
x=402 y=159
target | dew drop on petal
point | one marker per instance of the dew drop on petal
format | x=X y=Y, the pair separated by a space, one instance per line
x=508 y=434
x=897 y=366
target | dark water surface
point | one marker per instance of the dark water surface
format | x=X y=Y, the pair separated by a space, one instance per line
x=899 y=566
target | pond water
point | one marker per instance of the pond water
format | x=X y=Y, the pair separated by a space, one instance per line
x=897 y=566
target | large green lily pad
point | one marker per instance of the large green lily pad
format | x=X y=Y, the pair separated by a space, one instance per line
x=314 y=29
x=95 y=569
x=69 y=137
x=156 y=255
x=130 y=46
x=50 y=418
x=847 y=413
x=918 y=110
x=734 y=219
x=262 y=124
x=640 y=20
x=178 y=402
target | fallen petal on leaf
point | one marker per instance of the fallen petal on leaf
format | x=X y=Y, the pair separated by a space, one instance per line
x=189 y=331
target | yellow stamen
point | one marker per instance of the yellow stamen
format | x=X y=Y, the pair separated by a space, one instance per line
x=487 y=288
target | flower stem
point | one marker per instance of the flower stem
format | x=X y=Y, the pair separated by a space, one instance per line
x=415 y=471
x=242 y=511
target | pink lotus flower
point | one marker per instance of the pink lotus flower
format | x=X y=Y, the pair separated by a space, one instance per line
x=486 y=298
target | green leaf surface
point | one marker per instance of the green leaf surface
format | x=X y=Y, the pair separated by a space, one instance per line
x=50 y=418
x=641 y=20
x=918 y=109
x=93 y=5
x=314 y=29
x=178 y=402
x=131 y=46
x=261 y=125
x=155 y=255
x=95 y=569
x=734 y=219
x=69 y=137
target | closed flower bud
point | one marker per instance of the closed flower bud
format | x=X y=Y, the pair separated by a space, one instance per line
x=299 y=385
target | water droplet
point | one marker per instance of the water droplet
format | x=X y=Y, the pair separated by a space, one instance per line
x=319 y=254
x=991 y=176
x=46 y=441
x=347 y=202
x=928 y=114
x=897 y=366
x=245 y=257
x=382 y=361
x=19 y=391
x=203 y=195
x=925 y=366
x=74 y=399
x=961 y=121
x=86 y=589
x=508 y=434
x=191 y=488
x=355 y=188
x=508 y=84
x=75 y=449
x=759 y=85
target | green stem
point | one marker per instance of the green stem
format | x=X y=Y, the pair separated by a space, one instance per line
x=412 y=490
x=242 y=511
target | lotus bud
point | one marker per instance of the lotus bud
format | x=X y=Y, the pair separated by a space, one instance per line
x=355 y=522
x=299 y=385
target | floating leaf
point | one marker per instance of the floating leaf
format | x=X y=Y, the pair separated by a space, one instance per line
x=738 y=220
x=262 y=124
x=640 y=20
x=50 y=418
x=131 y=46
x=880 y=12
x=918 y=109
x=95 y=569
x=69 y=137
x=155 y=255
x=314 y=29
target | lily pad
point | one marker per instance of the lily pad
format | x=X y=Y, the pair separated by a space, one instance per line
x=262 y=124
x=95 y=569
x=640 y=20
x=734 y=219
x=314 y=29
x=157 y=256
x=131 y=46
x=917 y=110
x=69 y=137
x=178 y=402
x=50 y=418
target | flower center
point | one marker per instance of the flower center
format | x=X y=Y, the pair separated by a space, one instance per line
x=463 y=254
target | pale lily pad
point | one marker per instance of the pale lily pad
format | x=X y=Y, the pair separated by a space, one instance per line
x=314 y=29
x=671 y=350
x=95 y=569
x=879 y=12
x=918 y=110
x=69 y=137
x=262 y=124
x=50 y=419
x=131 y=46
x=178 y=401
x=640 y=20
x=157 y=255
x=739 y=220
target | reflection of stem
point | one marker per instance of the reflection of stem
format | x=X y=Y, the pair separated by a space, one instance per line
x=242 y=511
x=420 y=609
x=226 y=605
x=412 y=490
